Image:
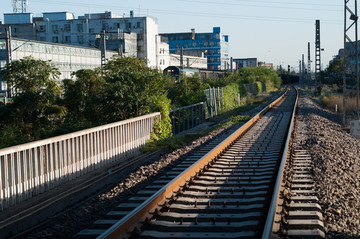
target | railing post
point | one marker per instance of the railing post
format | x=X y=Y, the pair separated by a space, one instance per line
x=188 y=118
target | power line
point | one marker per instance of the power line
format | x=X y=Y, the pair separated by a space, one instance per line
x=198 y=14
x=261 y=6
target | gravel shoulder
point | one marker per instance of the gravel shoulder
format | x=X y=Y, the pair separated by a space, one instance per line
x=336 y=159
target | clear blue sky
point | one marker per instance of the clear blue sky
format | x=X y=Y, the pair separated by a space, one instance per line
x=274 y=31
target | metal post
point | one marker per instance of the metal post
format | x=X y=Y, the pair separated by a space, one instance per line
x=309 y=65
x=183 y=118
x=348 y=43
x=8 y=45
x=188 y=118
x=182 y=61
x=317 y=53
x=192 y=116
x=173 y=122
x=103 y=49
x=178 y=120
x=8 y=57
x=357 y=62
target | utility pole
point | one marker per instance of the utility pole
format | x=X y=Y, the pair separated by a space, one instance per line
x=182 y=60
x=300 y=74
x=309 y=65
x=348 y=44
x=103 y=48
x=303 y=68
x=8 y=56
x=317 y=53
x=8 y=45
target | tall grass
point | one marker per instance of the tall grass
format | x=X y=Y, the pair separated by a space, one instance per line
x=330 y=101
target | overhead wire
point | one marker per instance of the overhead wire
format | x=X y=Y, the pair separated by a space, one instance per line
x=200 y=14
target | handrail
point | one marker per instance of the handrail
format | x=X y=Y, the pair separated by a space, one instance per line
x=268 y=228
x=32 y=168
x=140 y=213
x=29 y=145
x=186 y=107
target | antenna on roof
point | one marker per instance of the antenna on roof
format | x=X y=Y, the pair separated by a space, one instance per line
x=19 y=6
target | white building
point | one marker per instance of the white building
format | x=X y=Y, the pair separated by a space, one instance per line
x=162 y=53
x=67 y=59
x=63 y=27
x=196 y=62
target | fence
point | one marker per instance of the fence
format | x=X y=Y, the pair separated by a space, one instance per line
x=214 y=101
x=187 y=117
x=33 y=168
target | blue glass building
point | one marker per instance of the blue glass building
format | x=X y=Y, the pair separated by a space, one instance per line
x=214 y=45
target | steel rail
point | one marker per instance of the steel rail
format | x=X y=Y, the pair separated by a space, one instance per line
x=130 y=221
x=269 y=224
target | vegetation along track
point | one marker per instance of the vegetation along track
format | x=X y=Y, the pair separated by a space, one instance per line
x=224 y=194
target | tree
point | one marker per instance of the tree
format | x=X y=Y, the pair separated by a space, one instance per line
x=83 y=97
x=131 y=88
x=34 y=108
x=336 y=70
x=189 y=90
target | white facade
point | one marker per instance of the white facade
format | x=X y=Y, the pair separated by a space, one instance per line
x=63 y=27
x=67 y=59
x=189 y=61
x=162 y=54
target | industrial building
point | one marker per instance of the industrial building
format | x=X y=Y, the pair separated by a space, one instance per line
x=245 y=62
x=130 y=36
x=66 y=58
x=215 y=46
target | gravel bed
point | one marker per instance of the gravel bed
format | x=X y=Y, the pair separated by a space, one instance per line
x=73 y=221
x=336 y=162
x=80 y=217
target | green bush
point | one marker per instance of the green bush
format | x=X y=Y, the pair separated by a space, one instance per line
x=259 y=87
x=230 y=95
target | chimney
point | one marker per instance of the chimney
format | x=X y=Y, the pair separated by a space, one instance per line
x=131 y=13
x=192 y=33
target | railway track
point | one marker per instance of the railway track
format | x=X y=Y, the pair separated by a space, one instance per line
x=226 y=193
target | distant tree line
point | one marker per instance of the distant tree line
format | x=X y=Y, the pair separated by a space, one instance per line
x=41 y=107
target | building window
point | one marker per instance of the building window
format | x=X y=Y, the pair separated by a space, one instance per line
x=105 y=26
x=194 y=44
x=67 y=27
x=140 y=36
x=67 y=39
x=80 y=39
x=55 y=39
x=206 y=44
x=129 y=25
x=91 y=30
x=139 y=24
x=42 y=38
x=55 y=28
x=42 y=28
x=79 y=27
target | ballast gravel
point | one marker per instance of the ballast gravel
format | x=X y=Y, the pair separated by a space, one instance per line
x=336 y=161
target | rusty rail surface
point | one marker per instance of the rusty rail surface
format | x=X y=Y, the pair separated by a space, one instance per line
x=269 y=225
x=139 y=214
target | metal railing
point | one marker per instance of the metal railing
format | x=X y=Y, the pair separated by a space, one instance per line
x=29 y=169
x=187 y=117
